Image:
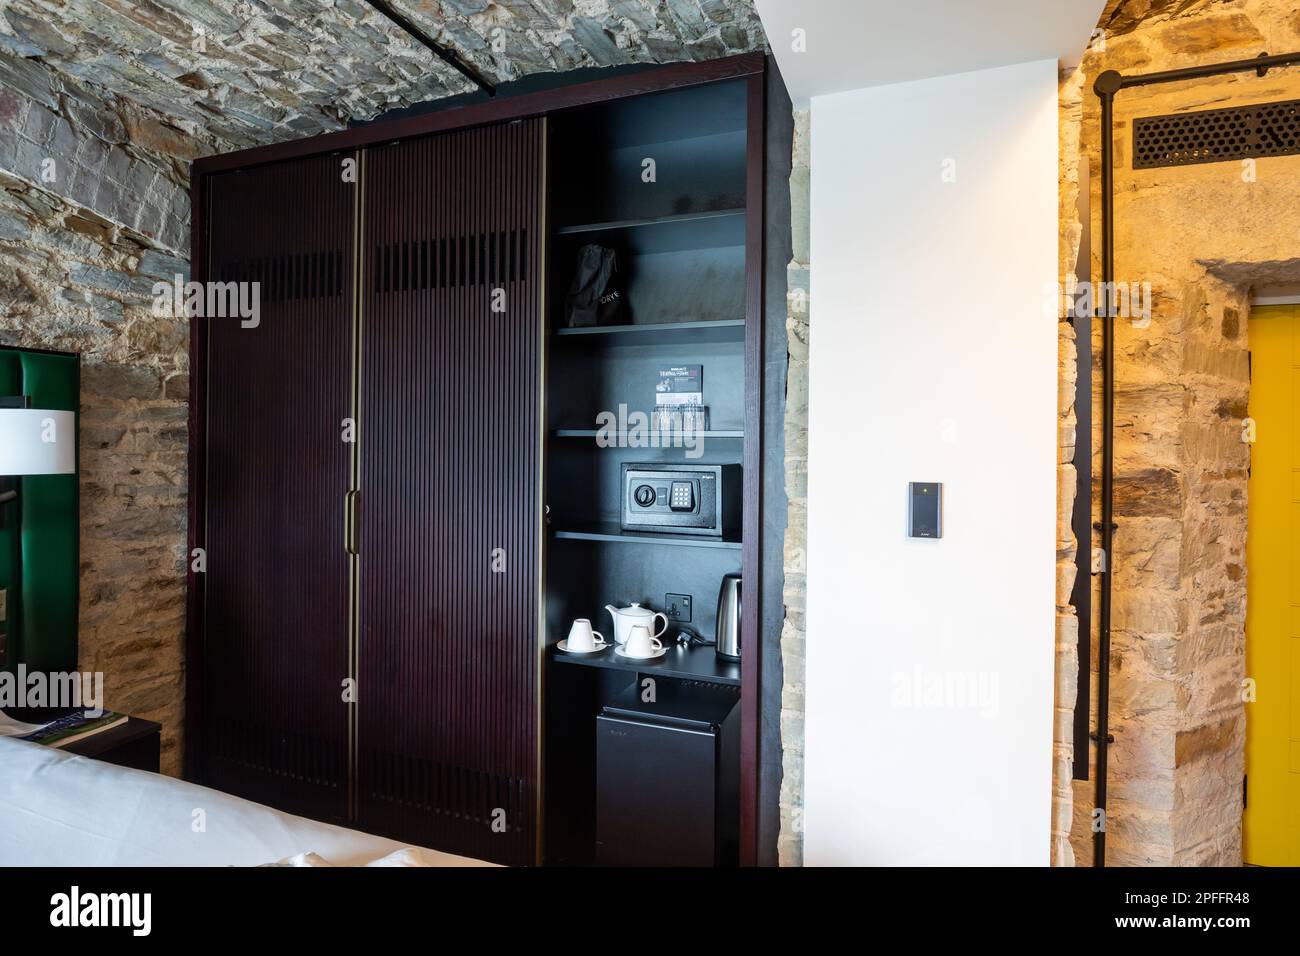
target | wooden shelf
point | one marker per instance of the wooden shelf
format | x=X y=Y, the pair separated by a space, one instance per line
x=689 y=663
x=666 y=333
x=592 y=433
x=706 y=110
x=692 y=230
x=612 y=532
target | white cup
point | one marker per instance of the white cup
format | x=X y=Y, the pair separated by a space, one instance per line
x=583 y=638
x=640 y=643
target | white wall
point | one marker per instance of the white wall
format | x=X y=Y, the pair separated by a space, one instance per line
x=825 y=46
x=933 y=358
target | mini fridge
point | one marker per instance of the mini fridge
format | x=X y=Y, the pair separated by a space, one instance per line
x=667 y=776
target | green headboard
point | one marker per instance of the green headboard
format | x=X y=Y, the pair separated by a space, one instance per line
x=40 y=533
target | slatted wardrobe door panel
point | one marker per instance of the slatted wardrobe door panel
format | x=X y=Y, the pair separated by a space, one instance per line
x=450 y=491
x=276 y=644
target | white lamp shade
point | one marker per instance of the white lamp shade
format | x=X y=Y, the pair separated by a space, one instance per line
x=37 y=441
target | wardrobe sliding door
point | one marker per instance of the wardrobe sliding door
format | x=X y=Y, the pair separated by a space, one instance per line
x=275 y=634
x=450 y=493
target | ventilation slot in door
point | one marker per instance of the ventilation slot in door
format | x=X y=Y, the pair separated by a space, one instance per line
x=305 y=275
x=473 y=812
x=451 y=262
x=278 y=751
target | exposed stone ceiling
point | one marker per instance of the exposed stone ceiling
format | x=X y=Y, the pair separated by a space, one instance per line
x=1125 y=16
x=257 y=71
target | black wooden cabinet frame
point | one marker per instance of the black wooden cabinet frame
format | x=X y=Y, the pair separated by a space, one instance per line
x=358 y=141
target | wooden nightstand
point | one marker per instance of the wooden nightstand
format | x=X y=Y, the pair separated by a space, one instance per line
x=135 y=744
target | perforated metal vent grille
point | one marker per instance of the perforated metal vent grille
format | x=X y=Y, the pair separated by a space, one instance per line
x=1212 y=136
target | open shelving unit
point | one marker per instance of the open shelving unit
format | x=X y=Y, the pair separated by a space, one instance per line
x=682 y=241
x=611 y=532
x=680 y=663
x=713 y=229
x=660 y=333
x=593 y=433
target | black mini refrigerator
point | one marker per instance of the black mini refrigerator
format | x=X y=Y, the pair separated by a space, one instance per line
x=667 y=776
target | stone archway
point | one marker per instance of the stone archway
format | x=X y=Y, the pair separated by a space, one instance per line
x=1203 y=236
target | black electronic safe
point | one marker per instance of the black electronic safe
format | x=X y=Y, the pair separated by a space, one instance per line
x=682 y=499
x=667 y=776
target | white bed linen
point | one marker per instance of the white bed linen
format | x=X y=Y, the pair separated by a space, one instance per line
x=58 y=809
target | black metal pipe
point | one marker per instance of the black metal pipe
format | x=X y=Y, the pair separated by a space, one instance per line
x=1081 y=315
x=1108 y=84
x=448 y=56
x=1106 y=87
x=1260 y=64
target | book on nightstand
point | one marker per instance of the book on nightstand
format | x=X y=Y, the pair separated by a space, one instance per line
x=75 y=726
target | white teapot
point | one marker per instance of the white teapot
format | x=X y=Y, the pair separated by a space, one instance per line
x=627 y=618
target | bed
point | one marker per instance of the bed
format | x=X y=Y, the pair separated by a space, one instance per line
x=58 y=809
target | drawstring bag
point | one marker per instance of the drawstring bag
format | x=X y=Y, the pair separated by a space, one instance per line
x=596 y=294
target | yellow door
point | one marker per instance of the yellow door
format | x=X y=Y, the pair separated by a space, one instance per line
x=1272 y=819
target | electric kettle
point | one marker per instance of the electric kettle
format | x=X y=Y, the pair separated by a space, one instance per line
x=728 y=633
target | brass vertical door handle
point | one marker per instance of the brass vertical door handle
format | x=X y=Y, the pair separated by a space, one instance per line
x=347 y=522
x=351 y=527
x=356 y=522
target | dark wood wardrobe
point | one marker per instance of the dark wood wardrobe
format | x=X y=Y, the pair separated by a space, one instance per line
x=372 y=462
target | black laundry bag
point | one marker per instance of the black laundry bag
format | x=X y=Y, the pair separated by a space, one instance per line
x=596 y=293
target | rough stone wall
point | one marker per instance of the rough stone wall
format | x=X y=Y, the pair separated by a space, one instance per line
x=253 y=71
x=1067 y=620
x=245 y=71
x=790 y=841
x=93 y=212
x=1202 y=235
x=88 y=146
x=512 y=38
x=70 y=281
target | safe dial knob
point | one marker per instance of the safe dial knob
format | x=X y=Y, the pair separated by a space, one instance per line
x=644 y=495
